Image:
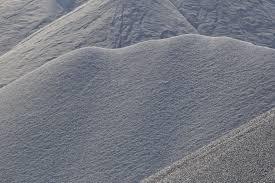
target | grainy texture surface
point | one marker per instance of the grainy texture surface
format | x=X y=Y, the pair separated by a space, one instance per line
x=21 y=18
x=244 y=155
x=102 y=115
x=103 y=23
x=248 y=20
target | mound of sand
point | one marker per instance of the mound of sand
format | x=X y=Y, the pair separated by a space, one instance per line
x=103 y=115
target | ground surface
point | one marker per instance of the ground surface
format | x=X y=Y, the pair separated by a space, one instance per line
x=122 y=111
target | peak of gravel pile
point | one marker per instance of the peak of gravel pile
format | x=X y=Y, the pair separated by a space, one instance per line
x=104 y=23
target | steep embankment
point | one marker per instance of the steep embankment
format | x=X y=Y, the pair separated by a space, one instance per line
x=120 y=115
x=21 y=18
x=104 y=23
